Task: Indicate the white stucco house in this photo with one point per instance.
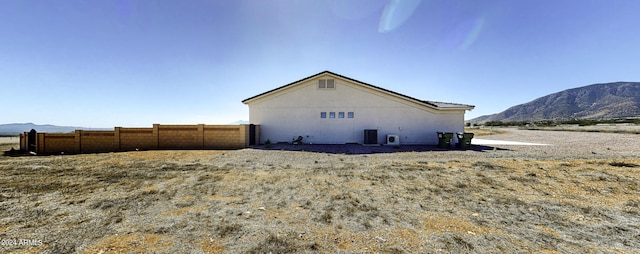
(328, 108)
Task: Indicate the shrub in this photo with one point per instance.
(275, 244)
(226, 229)
(624, 164)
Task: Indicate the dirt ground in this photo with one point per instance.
(570, 197)
(6, 143)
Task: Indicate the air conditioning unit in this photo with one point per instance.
(393, 140)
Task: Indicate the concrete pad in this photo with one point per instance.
(477, 141)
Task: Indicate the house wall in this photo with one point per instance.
(159, 137)
(295, 111)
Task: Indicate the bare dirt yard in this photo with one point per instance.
(579, 194)
(6, 143)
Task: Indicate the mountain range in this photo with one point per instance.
(17, 128)
(597, 102)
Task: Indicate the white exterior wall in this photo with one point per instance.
(295, 111)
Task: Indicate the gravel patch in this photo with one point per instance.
(567, 144)
(561, 146)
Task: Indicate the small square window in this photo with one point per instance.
(332, 114)
(340, 114)
(350, 114)
(323, 114)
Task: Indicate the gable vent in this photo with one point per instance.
(326, 84)
(330, 84)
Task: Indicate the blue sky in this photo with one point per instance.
(95, 63)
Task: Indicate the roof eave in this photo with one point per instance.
(248, 100)
(455, 108)
(380, 89)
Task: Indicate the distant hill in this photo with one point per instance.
(17, 128)
(240, 122)
(598, 101)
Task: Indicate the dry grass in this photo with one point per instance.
(204, 202)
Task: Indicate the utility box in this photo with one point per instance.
(444, 139)
(393, 140)
(370, 137)
(464, 140)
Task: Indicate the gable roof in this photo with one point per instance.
(432, 104)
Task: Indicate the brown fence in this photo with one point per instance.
(128, 139)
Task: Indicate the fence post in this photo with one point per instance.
(244, 135)
(156, 135)
(116, 137)
(200, 135)
(22, 139)
(78, 140)
(40, 145)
